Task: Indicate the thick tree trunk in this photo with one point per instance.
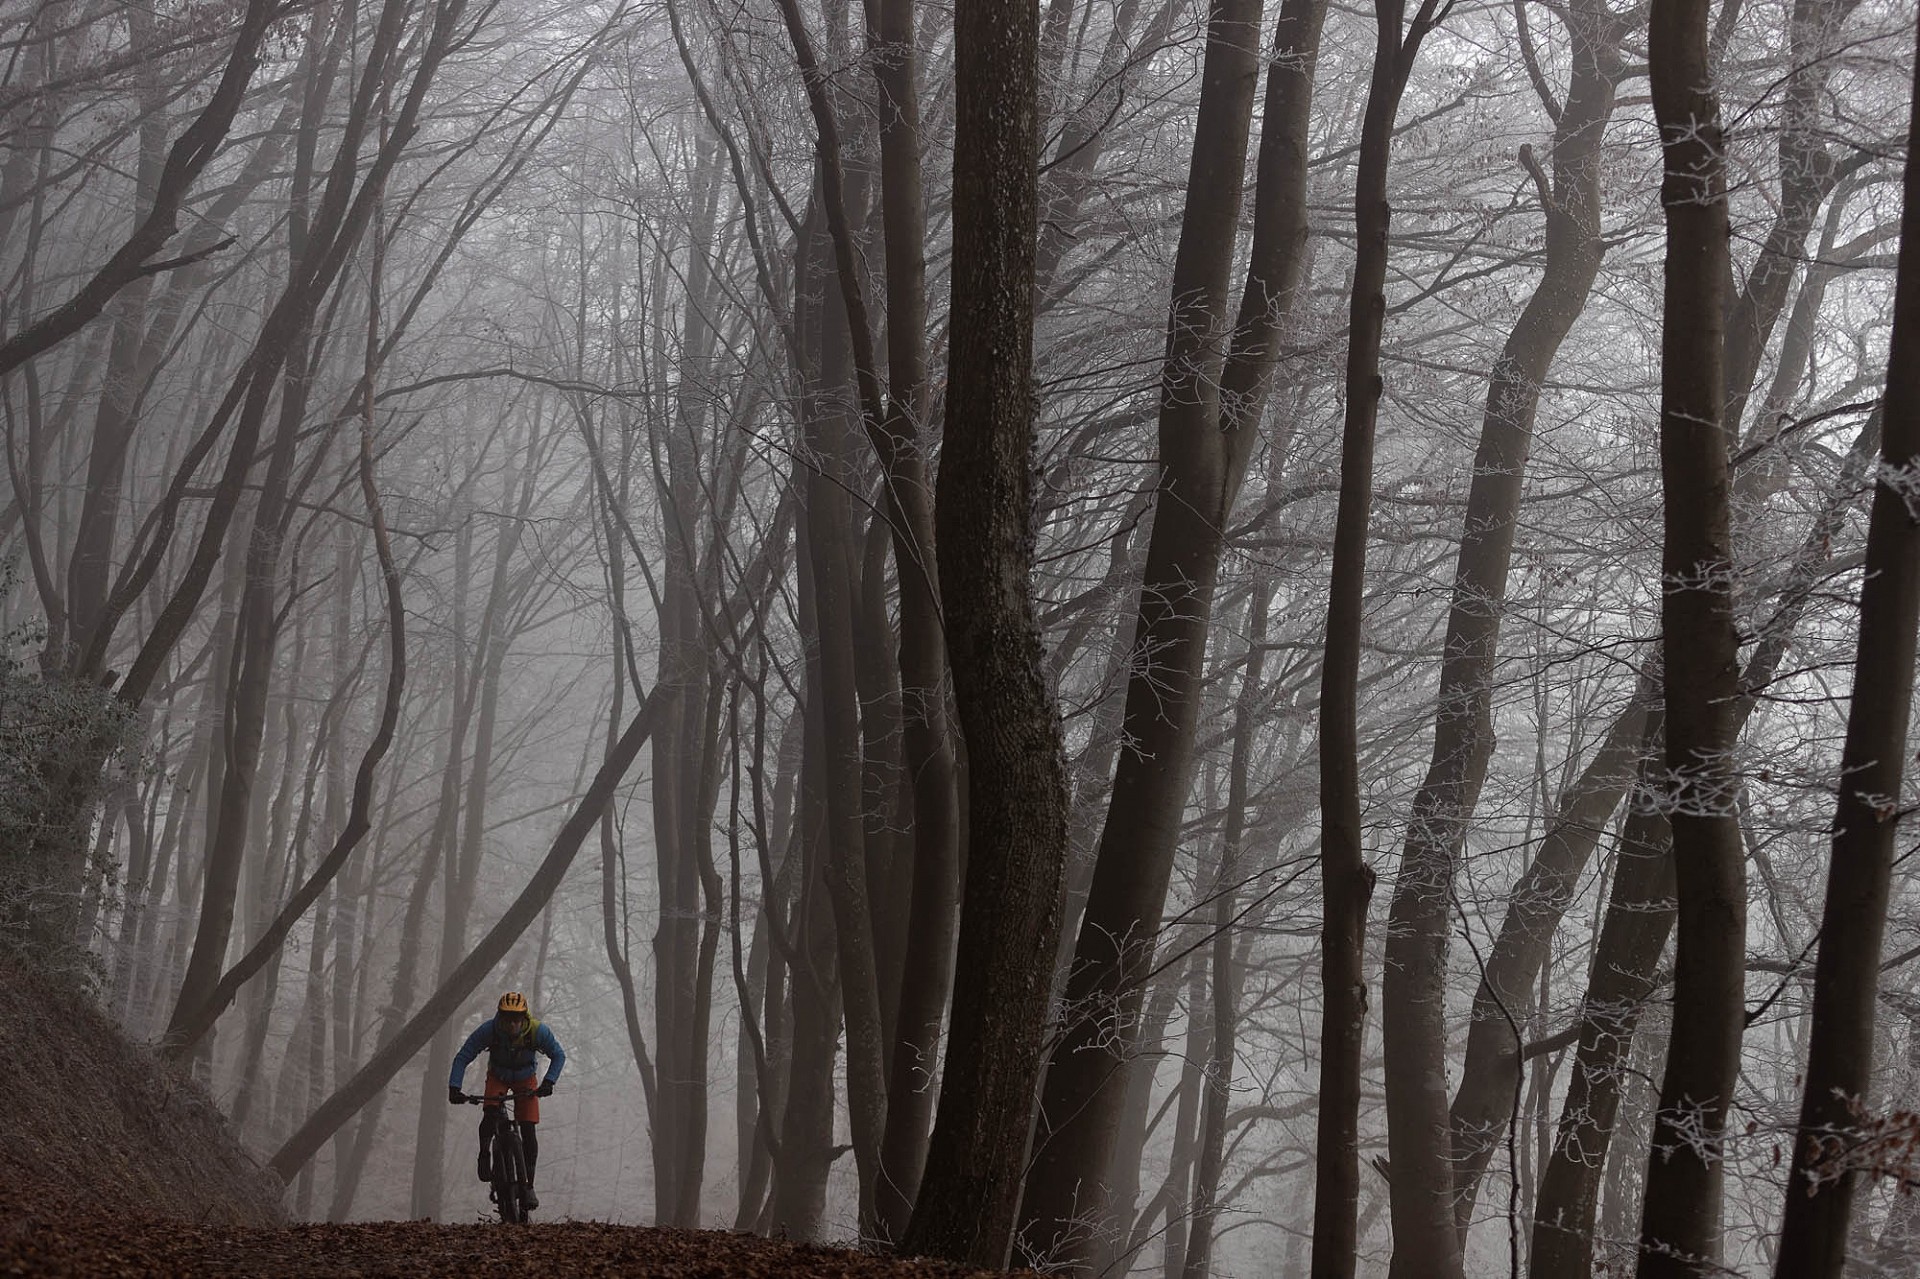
(1824, 1178)
(1016, 773)
(1680, 1224)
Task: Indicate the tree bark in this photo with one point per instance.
(1639, 919)
(1016, 773)
(1680, 1232)
(1224, 981)
(1490, 1072)
(926, 979)
(1413, 987)
(1209, 412)
(1422, 1213)
(1823, 1180)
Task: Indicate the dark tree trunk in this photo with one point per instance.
(1130, 1150)
(1824, 1180)
(1224, 980)
(1016, 774)
(832, 691)
(1638, 920)
(1422, 1213)
(1413, 987)
(1680, 1230)
(1490, 1073)
(932, 914)
(1209, 414)
(798, 1205)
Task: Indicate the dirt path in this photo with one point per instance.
(103, 1246)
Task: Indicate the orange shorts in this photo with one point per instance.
(525, 1109)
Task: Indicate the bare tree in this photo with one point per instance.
(1681, 1223)
(1016, 776)
(1824, 1180)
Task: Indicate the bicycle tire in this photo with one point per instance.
(517, 1170)
(507, 1162)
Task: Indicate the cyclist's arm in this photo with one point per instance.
(468, 1051)
(556, 1055)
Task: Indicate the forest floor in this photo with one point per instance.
(101, 1246)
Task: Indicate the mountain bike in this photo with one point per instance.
(511, 1185)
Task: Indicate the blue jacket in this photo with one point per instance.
(511, 1060)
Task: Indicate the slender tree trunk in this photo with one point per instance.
(1639, 919)
(1130, 1150)
(832, 688)
(1224, 980)
(1824, 1178)
(1209, 414)
(932, 914)
(1413, 988)
(806, 1129)
(1422, 1212)
(1186, 1122)
(1680, 1224)
(191, 152)
(893, 428)
(89, 565)
(1807, 176)
(1490, 1073)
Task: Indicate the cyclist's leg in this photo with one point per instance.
(526, 1114)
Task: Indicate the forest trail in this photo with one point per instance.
(102, 1245)
(125, 1168)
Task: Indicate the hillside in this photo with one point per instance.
(106, 1128)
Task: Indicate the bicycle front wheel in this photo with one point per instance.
(509, 1174)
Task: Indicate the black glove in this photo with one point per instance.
(546, 1088)
(454, 1095)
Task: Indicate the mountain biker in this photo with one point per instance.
(510, 1038)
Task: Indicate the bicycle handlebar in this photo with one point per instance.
(473, 1099)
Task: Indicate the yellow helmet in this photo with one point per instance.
(513, 1002)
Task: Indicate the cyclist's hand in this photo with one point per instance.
(546, 1087)
(454, 1095)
